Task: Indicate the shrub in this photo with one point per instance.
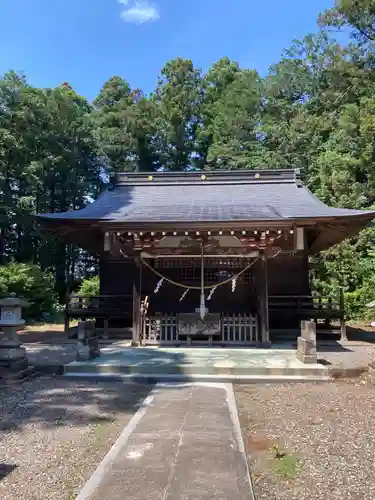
(31, 283)
(354, 304)
(90, 287)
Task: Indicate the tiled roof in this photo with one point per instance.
(217, 197)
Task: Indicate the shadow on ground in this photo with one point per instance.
(332, 346)
(56, 401)
(6, 469)
(361, 334)
(46, 336)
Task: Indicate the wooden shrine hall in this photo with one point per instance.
(206, 257)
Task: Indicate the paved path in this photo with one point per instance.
(183, 444)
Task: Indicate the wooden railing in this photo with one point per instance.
(122, 305)
(240, 329)
(162, 329)
(114, 305)
(304, 305)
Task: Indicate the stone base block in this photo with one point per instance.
(306, 351)
(11, 379)
(264, 345)
(306, 359)
(13, 371)
(86, 355)
(306, 347)
(8, 353)
(13, 366)
(88, 350)
(7, 343)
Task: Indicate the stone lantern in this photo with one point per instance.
(13, 360)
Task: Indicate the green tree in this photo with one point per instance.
(48, 163)
(359, 15)
(126, 127)
(29, 282)
(178, 99)
(90, 287)
(235, 125)
(214, 84)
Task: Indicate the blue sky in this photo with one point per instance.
(85, 42)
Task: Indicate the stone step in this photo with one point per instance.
(194, 370)
(8, 378)
(153, 378)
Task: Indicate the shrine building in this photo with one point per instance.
(218, 258)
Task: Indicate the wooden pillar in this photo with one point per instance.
(263, 303)
(66, 310)
(66, 317)
(106, 329)
(137, 317)
(136, 337)
(344, 337)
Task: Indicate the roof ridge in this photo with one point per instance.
(209, 177)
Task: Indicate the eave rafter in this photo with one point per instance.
(240, 242)
(86, 236)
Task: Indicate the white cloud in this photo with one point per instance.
(139, 11)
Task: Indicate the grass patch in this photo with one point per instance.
(102, 429)
(286, 466)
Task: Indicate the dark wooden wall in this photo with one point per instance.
(287, 275)
(117, 276)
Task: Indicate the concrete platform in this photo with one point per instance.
(184, 443)
(198, 364)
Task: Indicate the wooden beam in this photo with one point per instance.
(263, 302)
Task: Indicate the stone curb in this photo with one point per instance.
(98, 475)
(155, 378)
(355, 372)
(233, 410)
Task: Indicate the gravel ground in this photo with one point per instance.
(54, 432)
(328, 427)
(348, 355)
(50, 354)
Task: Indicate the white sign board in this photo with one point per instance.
(11, 316)
(8, 314)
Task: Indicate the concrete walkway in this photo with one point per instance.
(184, 443)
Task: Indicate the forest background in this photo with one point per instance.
(315, 110)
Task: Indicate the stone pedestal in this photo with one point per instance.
(88, 343)
(344, 337)
(13, 359)
(306, 343)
